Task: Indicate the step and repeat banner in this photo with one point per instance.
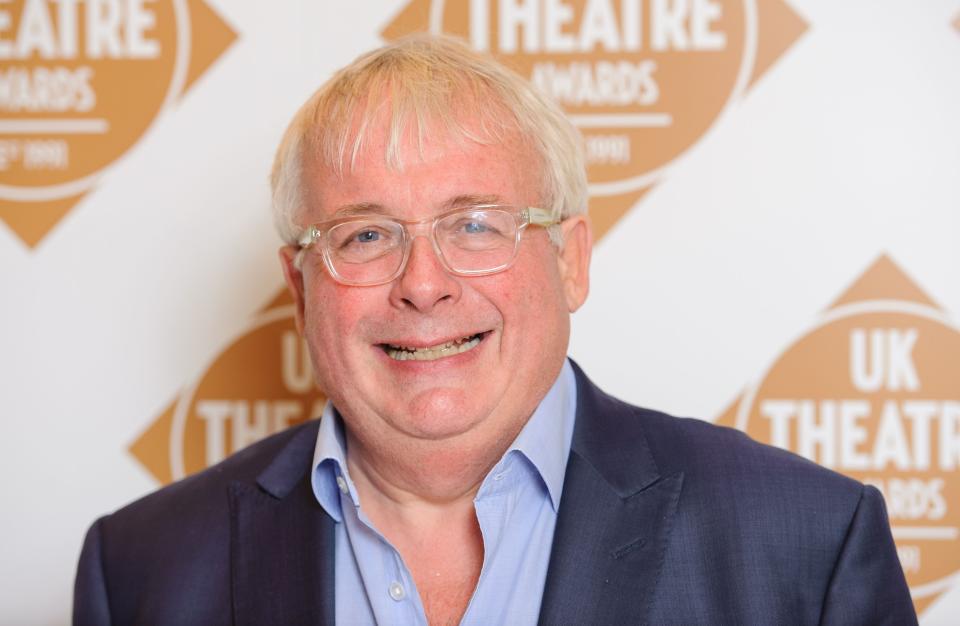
(775, 192)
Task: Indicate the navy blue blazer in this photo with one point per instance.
(662, 521)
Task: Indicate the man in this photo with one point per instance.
(464, 471)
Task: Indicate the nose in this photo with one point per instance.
(424, 283)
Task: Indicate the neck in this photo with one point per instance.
(421, 475)
(423, 505)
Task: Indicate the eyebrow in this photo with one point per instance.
(360, 208)
(463, 200)
(472, 200)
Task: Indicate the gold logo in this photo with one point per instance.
(80, 83)
(644, 80)
(260, 384)
(872, 390)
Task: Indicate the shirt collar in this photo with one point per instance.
(330, 463)
(545, 438)
(544, 441)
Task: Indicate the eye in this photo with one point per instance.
(362, 235)
(367, 236)
(477, 229)
(474, 227)
(361, 239)
(473, 224)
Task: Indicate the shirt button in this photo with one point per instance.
(343, 485)
(396, 591)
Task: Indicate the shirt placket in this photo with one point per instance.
(388, 585)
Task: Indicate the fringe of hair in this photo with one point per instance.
(429, 83)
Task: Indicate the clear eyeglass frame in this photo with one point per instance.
(315, 237)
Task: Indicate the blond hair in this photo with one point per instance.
(426, 80)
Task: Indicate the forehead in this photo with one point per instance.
(424, 169)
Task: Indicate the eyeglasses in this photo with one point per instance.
(469, 241)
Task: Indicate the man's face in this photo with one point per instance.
(521, 316)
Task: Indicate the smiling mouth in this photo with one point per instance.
(432, 353)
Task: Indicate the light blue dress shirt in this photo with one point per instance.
(516, 508)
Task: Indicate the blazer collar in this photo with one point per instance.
(282, 543)
(615, 517)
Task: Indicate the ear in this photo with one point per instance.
(294, 278)
(574, 260)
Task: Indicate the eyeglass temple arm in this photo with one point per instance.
(308, 237)
(541, 217)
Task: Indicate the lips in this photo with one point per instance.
(432, 353)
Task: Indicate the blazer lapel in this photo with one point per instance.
(282, 544)
(615, 517)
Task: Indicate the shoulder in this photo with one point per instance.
(716, 461)
(163, 553)
(721, 463)
(203, 496)
(699, 447)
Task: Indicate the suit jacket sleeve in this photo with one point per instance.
(90, 604)
(867, 585)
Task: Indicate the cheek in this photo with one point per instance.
(537, 283)
(530, 295)
(330, 321)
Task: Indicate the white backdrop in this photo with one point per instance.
(847, 149)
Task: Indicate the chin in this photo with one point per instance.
(442, 414)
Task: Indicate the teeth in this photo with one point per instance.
(404, 353)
